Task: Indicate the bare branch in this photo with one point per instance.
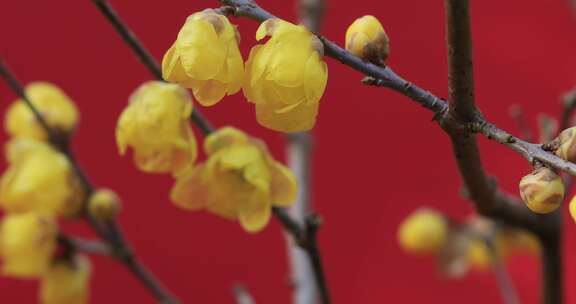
(242, 295)
(83, 245)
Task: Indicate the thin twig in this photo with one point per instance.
(242, 295)
(517, 113)
(145, 57)
(509, 294)
(108, 235)
(85, 246)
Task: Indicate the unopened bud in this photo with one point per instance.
(423, 232)
(567, 145)
(542, 190)
(104, 204)
(367, 39)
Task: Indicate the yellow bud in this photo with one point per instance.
(39, 179)
(239, 181)
(206, 58)
(542, 190)
(285, 77)
(104, 204)
(567, 145)
(156, 126)
(57, 109)
(573, 208)
(27, 244)
(423, 232)
(367, 39)
(478, 255)
(66, 282)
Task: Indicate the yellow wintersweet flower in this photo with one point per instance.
(542, 190)
(27, 244)
(206, 58)
(366, 38)
(423, 232)
(240, 180)
(286, 77)
(39, 179)
(53, 104)
(155, 124)
(66, 282)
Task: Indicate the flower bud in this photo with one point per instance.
(104, 204)
(567, 145)
(367, 39)
(542, 190)
(423, 232)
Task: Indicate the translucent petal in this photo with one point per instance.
(190, 190)
(255, 214)
(210, 92)
(315, 78)
(201, 52)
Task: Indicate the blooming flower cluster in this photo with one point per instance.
(240, 179)
(38, 187)
(284, 78)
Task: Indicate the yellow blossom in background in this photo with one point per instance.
(66, 282)
(366, 38)
(286, 76)
(572, 208)
(39, 179)
(57, 109)
(27, 244)
(155, 125)
(423, 232)
(206, 58)
(240, 180)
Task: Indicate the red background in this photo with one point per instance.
(377, 156)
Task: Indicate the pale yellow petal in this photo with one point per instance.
(201, 53)
(283, 185)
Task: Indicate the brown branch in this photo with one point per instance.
(82, 245)
(306, 238)
(114, 231)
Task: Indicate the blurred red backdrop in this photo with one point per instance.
(377, 155)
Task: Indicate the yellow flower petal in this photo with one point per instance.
(58, 111)
(40, 181)
(155, 125)
(27, 244)
(200, 51)
(283, 186)
(190, 191)
(66, 282)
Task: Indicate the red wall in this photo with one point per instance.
(378, 156)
